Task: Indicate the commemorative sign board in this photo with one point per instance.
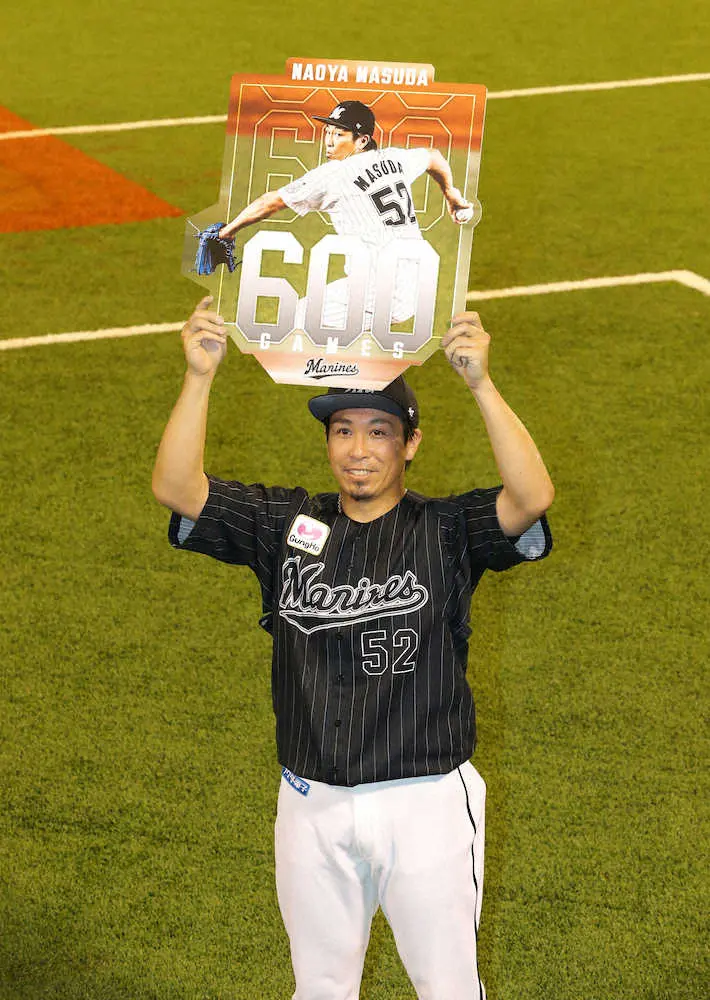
(347, 207)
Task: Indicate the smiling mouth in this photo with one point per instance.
(358, 473)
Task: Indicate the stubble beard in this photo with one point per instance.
(358, 492)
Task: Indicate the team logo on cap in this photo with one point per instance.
(340, 110)
(308, 534)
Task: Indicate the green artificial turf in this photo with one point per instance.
(138, 775)
(139, 767)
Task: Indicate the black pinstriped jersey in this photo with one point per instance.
(369, 621)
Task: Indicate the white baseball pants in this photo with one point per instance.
(414, 847)
(336, 298)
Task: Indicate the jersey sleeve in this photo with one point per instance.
(489, 547)
(415, 162)
(307, 193)
(239, 524)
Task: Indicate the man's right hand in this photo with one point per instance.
(204, 339)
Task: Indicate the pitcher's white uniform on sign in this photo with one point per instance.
(368, 196)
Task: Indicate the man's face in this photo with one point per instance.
(340, 144)
(367, 452)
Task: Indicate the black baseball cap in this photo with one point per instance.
(396, 398)
(353, 116)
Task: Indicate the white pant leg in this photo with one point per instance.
(326, 894)
(406, 291)
(431, 893)
(335, 309)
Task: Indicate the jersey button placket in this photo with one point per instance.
(342, 651)
(337, 722)
(340, 676)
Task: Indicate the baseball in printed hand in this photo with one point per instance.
(464, 214)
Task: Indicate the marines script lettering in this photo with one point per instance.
(318, 368)
(311, 605)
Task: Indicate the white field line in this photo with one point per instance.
(37, 133)
(570, 88)
(575, 88)
(112, 333)
(687, 278)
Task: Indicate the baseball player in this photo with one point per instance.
(366, 592)
(367, 193)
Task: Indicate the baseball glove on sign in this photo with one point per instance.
(213, 251)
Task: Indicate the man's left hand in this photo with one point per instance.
(466, 347)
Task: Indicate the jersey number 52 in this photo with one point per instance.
(380, 652)
(396, 211)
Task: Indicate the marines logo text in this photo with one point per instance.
(311, 605)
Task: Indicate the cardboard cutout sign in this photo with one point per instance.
(349, 192)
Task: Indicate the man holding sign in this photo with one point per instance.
(367, 194)
(366, 592)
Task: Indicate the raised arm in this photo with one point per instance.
(527, 488)
(179, 480)
(264, 206)
(440, 171)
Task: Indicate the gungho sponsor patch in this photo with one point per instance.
(308, 534)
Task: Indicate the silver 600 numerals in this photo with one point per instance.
(364, 302)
